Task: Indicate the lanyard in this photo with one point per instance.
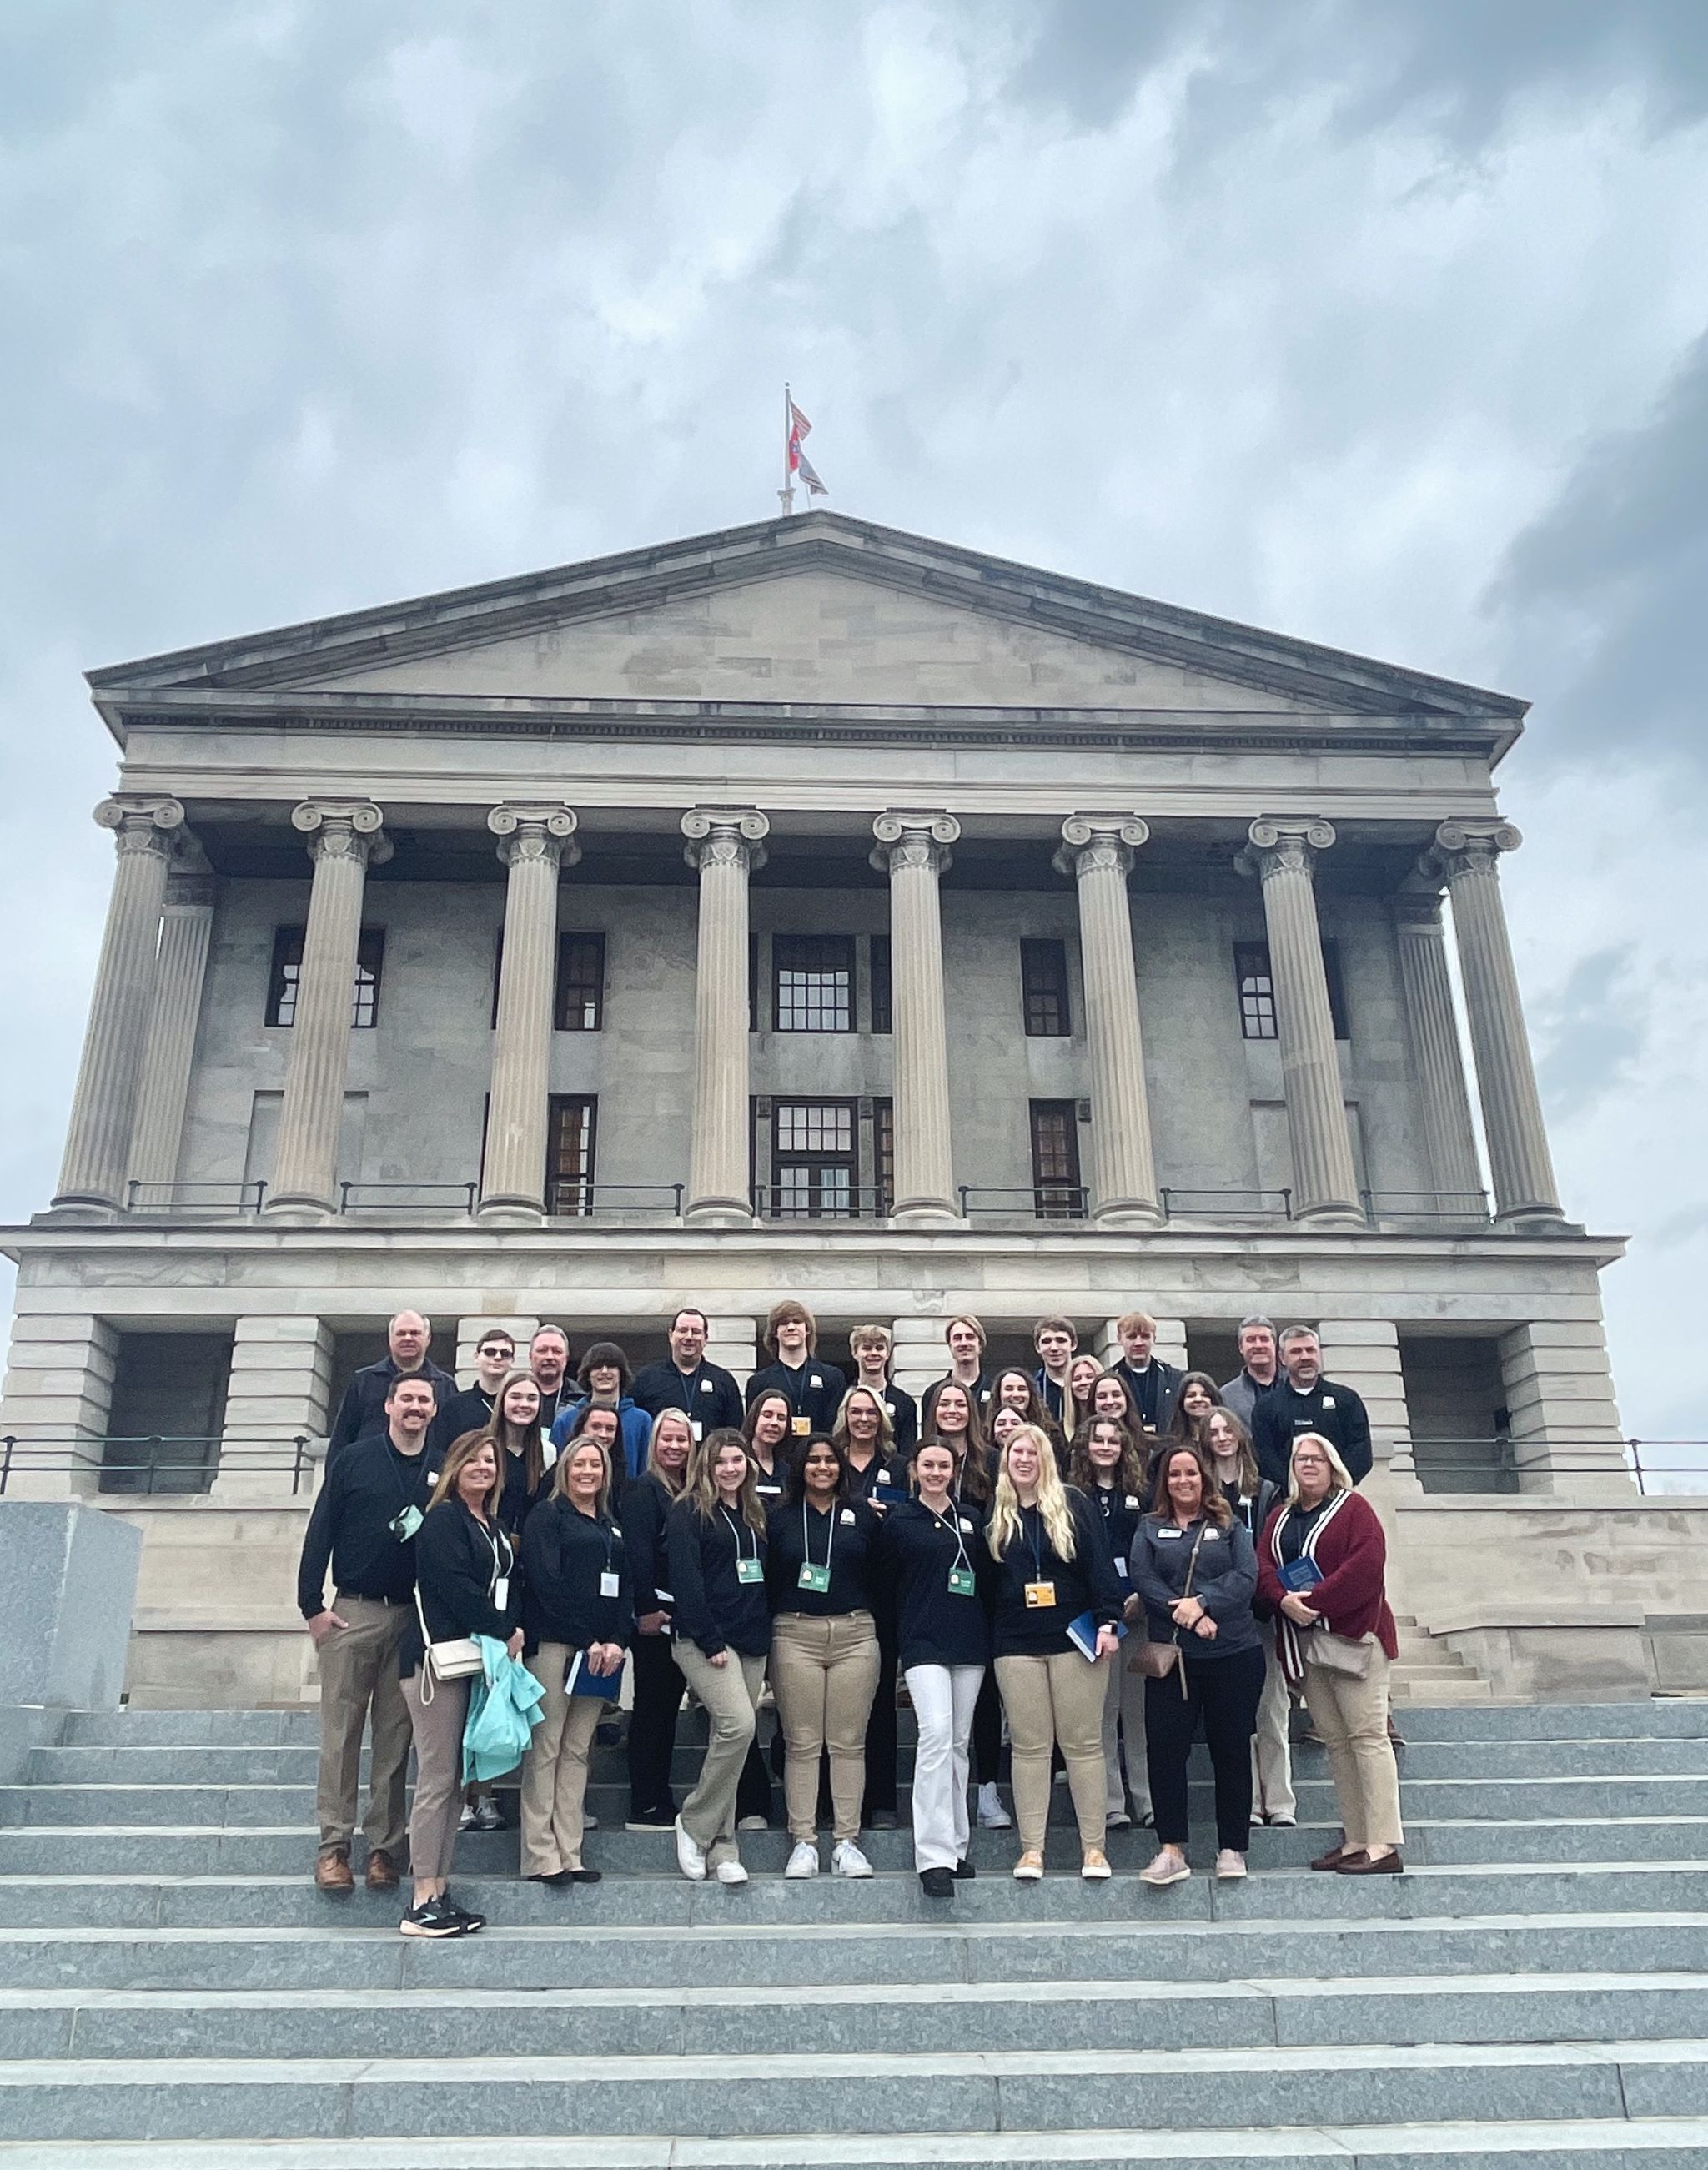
(1031, 1521)
(796, 1390)
(735, 1530)
(606, 1530)
(952, 1523)
(693, 1379)
(495, 1538)
(806, 1543)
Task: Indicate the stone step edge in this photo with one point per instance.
(1253, 1989)
(35, 1788)
(614, 1830)
(1302, 2145)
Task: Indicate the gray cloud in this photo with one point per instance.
(1590, 1031)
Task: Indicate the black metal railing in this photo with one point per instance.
(157, 1464)
(406, 1197)
(1231, 1205)
(199, 1198)
(1031, 1201)
(786, 1201)
(568, 1198)
(1659, 1469)
(1466, 1207)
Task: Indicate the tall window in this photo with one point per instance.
(1256, 986)
(1055, 1161)
(287, 973)
(881, 1004)
(883, 1153)
(571, 1122)
(1043, 985)
(814, 1160)
(580, 998)
(812, 982)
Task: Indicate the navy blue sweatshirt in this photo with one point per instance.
(844, 1539)
(714, 1608)
(645, 1504)
(363, 1409)
(1085, 1583)
(1120, 1512)
(565, 1555)
(707, 1396)
(814, 1393)
(915, 1551)
(1338, 1412)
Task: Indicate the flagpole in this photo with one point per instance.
(786, 496)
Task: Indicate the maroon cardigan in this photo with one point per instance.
(1349, 1547)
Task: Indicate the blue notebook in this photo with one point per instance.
(581, 1681)
(1301, 1574)
(1082, 1633)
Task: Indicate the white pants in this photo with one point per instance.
(1123, 1709)
(942, 1698)
(1271, 1758)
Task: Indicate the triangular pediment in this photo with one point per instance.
(819, 610)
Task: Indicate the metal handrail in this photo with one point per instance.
(465, 1195)
(775, 1201)
(1172, 1194)
(247, 1197)
(1048, 1201)
(85, 1453)
(1440, 1205)
(599, 1199)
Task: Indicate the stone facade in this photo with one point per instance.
(703, 753)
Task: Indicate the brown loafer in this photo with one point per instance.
(382, 1871)
(1332, 1859)
(1370, 1864)
(331, 1871)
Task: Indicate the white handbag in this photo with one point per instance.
(456, 1658)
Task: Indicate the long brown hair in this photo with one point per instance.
(974, 1475)
(1181, 1425)
(460, 1453)
(700, 1486)
(508, 1439)
(1248, 1476)
(1214, 1505)
(1129, 1470)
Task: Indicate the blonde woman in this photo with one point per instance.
(658, 1686)
(1051, 1563)
(1228, 1447)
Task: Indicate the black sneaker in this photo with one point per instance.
(660, 1819)
(434, 1918)
(964, 1872)
(937, 1882)
(883, 1820)
(470, 1921)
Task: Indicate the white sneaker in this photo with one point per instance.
(730, 1871)
(588, 1823)
(803, 1861)
(992, 1815)
(1169, 1866)
(688, 1857)
(752, 1823)
(848, 1860)
(1230, 1867)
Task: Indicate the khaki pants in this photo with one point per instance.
(730, 1692)
(1352, 1717)
(1271, 1757)
(1123, 1709)
(824, 1673)
(359, 1678)
(438, 1729)
(554, 1769)
(1058, 1698)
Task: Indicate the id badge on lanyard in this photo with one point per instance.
(1040, 1593)
(812, 1576)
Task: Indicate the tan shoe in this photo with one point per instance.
(331, 1871)
(1030, 1865)
(1095, 1867)
(1169, 1866)
(382, 1871)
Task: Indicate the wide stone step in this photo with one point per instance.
(885, 2019)
(806, 1955)
(1052, 2087)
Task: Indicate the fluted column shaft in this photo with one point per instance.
(185, 930)
(724, 846)
(1282, 855)
(1467, 853)
(343, 841)
(535, 844)
(103, 1110)
(1098, 853)
(1436, 1049)
(915, 850)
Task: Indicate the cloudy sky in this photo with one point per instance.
(1381, 322)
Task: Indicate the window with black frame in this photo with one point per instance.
(1256, 981)
(812, 983)
(1043, 987)
(572, 1126)
(1055, 1161)
(814, 1160)
(285, 980)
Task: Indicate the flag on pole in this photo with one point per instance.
(800, 464)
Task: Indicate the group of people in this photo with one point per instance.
(1108, 1562)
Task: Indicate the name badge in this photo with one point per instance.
(749, 1570)
(1211, 1536)
(813, 1577)
(815, 1380)
(501, 1593)
(705, 1387)
(1121, 1567)
(966, 1527)
(1039, 1596)
(847, 1518)
(1328, 1401)
(1132, 1503)
(1170, 1533)
(608, 1584)
(801, 1426)
(697, 1429)
(961, 1583)
(403, 1526)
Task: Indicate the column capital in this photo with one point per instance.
(914, 840)
(141, 822)
(1463, 846)
(544, 833)
(1283, 844)
(343, 829)
(1092, 842)
(725, 836)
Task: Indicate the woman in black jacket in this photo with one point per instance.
(465, 1584)
(1108, 1464)
(1052, 1565)
(1252, 1497)
(715, 1541)
(1194, 1568)
(658, 1686)
(577, 1617)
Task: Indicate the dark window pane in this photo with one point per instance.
(1045, 990)
(580, 1005)
(287, 975)
(883, 1152)
(813, 978)
(1055, 1159)
(569, 1146)
(880, 983)
(1337, 990)
(1257, 990)
(287, 968)
(371, 958)
(814, 1163)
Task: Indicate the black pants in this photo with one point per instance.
(753, 1793)
(659, 1689)
(880, 1729)
(1224, 1692)
(987, 1731)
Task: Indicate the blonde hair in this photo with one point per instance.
(700, 1484)
(884, 1444)
(1005, 1524)
(655, 1467)
(458, 1454)
(560, 1475)
(1339, 1475)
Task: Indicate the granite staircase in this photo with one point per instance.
(173, 1990)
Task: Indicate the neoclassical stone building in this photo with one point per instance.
(805, 908)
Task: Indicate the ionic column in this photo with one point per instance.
(1282, 854)
(343, 841)
(914, 849)
(185, 931)
(1436, 1049)
(1097, 851)
(1467, 855)
(103, 1108)
(535, 844)
(724, 847)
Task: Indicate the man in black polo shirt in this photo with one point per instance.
(706, 1393)
(371, 1504)
(966, 1340)
(870, 1348)
(494, 1359)
(1302, 1400)
(1154, 1385)
(363, 1402)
